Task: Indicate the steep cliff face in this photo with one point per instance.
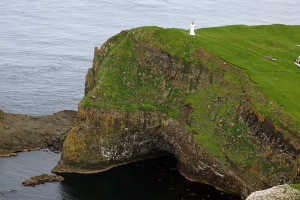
(154, 90)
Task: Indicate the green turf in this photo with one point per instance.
(295, 186)
(243, 46)
(247, 46)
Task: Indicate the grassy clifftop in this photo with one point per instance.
(130, 86)
(248, 47)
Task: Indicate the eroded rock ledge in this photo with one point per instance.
(25, 133)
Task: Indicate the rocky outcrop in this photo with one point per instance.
(6, 154)
(143, 98)
(280, 192)
(41, 179)
(55, 141)
(119, 137)
(22, 132)
(278, 146)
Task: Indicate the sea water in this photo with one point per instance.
(46, 46)
(153, 179)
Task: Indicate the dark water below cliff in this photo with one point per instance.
(153, 179)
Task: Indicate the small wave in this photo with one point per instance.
(3, 192)
(152, 3)
(142, 3)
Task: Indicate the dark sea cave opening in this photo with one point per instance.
(151, 179)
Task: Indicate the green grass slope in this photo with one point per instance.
(244, 46)
(247, 46)
(295, 186)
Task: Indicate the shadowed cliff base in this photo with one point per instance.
(157, 177)
(158, 89)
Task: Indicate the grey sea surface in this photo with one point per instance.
(46, 46)
(15, 170)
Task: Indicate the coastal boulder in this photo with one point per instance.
(279, 192)
(41, 179)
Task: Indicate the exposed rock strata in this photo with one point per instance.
(22, 132)
(219, 138)
(277, 145)
(109, 138)
(41, 179)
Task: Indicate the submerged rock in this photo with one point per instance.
(41, 179)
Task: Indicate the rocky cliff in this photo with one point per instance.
(154, 90)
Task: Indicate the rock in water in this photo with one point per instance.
(41, 179)
(6, 154)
